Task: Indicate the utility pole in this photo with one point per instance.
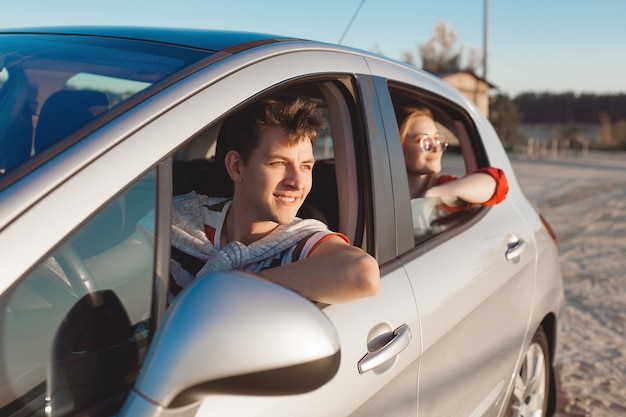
(485, 36)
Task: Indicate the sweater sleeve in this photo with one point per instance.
(499, 194)
(502, 185)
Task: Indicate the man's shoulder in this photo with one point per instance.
(215, 203)
(194, 200)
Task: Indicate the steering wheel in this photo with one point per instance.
(75, 269)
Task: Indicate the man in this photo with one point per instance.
(269, 157)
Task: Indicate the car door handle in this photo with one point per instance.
(399, 341)
(515, 250)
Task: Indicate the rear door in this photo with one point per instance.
(473, 296)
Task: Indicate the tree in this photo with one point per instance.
(506, 119)
(567, 108)
(440, 53)
(606, 134)
(619, 134)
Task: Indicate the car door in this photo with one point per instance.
(379, 336)
(475, 306)
(474, 293)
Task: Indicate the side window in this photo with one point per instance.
(439, 146)
(323, 144)
(334, 199)
(74, 331)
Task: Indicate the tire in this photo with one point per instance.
(532, 381)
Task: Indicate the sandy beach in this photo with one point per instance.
(584, 200)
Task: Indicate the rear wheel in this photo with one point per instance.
(531, 389)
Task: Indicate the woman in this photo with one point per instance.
(423, 148)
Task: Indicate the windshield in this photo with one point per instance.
(53, 85)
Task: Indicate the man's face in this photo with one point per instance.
(277, 178)
(418, 161)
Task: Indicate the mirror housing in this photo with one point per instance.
(232, 332)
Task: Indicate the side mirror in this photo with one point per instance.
(234, 333)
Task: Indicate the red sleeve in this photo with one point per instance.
(446, 178)
(502, 185)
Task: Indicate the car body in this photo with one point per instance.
(100, 126)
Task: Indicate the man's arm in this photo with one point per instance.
(334, 272)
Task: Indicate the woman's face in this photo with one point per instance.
(417, 161)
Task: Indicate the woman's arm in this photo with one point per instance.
(474, 189)
(486, 186)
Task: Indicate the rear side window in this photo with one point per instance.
(440, 144)
(74, 331)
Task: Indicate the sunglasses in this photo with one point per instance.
(429, 143)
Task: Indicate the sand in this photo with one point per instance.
(584, 200)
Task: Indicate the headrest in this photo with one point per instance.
(66, 111)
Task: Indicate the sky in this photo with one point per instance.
(552, 46)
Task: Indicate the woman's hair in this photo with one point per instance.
(299, 116)
(406, 115)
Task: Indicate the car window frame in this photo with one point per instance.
(340, 93)
(474, 156)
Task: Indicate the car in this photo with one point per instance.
(100, 126)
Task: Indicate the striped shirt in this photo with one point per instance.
(184, 266)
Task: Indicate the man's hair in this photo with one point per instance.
(406, 115)
(299, 116)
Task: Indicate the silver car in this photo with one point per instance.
(100, 126)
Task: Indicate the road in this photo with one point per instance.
(584, 200)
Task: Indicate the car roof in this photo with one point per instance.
(211, 40)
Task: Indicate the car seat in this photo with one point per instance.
(65, 112)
